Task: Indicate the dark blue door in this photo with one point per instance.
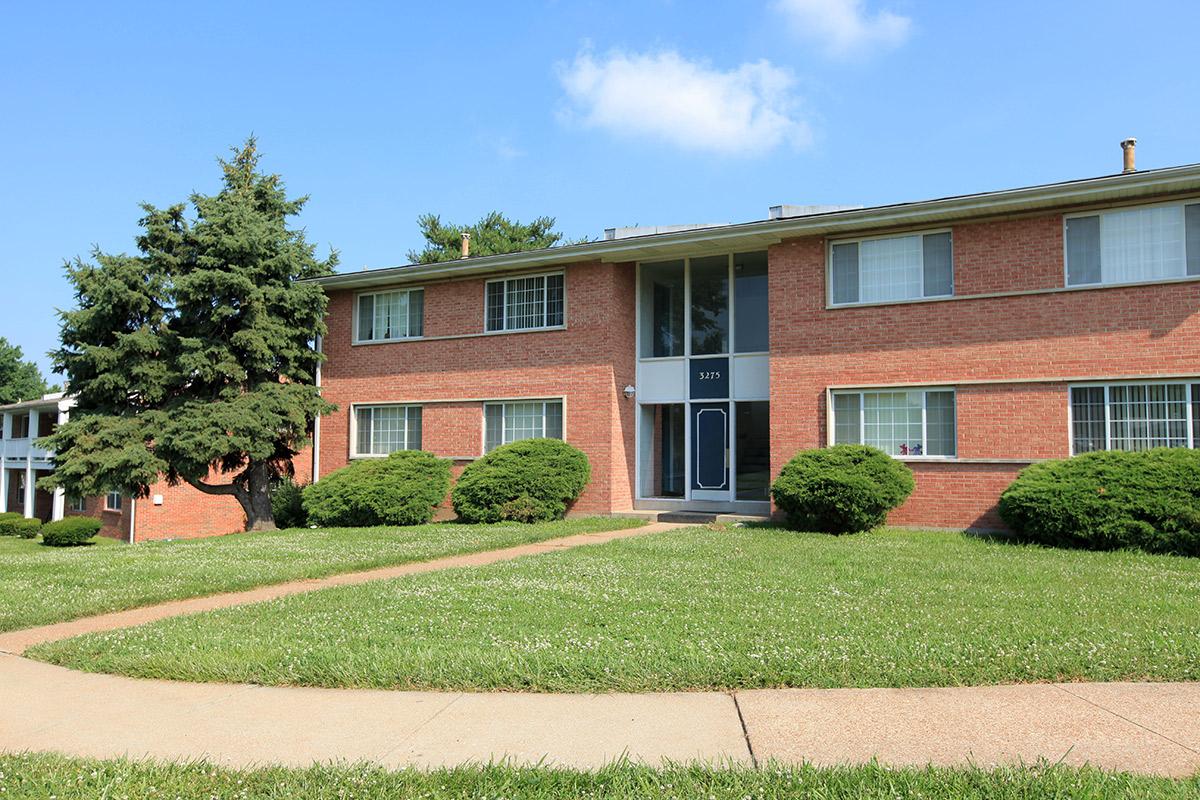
(710, 446)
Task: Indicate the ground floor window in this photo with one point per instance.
(112, 501)
(505, 423)
(904, 422)
(76, 504)
(753, 439)
(1135, 416)
(380, 430)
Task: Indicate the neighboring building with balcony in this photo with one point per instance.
(22, 462)
(966, 336)
(170, 512)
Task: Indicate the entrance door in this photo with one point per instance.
(710, 451)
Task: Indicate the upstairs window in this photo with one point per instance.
(381, 430)
(387, 316)
(906, 423)
(1134, 416)
(891, 269)
(1133, 245)
(505, 423)
(20, 425)
(526, 303)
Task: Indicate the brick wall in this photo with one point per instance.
(1057, 336)
(588, 364)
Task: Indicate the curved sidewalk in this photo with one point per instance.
(1139, 727)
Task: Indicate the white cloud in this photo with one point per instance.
(689, 104)
(844, 27)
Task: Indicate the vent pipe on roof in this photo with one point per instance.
(466, 244)
(1129, 146)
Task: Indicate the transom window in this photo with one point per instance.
(533, 301)
(905, 422)
(891, 269)
(1134, 416)
(112, 501)
(525, 419)
(380, 430)
(1134, 245)
(386, 316)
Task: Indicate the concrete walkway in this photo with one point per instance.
(1140, 727)
(17, 642)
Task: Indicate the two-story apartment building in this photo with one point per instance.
(170, 512)
(967, 336)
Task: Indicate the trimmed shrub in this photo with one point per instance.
(1149, 500)
(841, 489)
(70, 531)
(533, 480)
(287, 504)
(14, 524)
(403, 489)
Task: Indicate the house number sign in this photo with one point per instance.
(708, 378)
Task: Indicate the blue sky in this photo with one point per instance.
(599, 113)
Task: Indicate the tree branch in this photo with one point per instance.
(218, 489)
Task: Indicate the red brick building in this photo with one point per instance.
(967, 336)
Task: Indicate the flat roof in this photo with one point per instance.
(759, 234)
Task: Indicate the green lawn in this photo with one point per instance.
(41, 584)
(703, 609)
(30, 776)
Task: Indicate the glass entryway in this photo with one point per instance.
(703, 384)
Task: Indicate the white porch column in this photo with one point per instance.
(28, 488)
(3, 487)
(59, 507)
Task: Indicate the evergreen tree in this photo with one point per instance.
(19, 379)
(493, 235)
(194, 360)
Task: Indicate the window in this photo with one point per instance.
(20, 425)
(380, 430)
(710, 305)
(750, 303)
(1133, 245)
(900, 422)
(662, 309)
(891, 269)
(527, 419)
(386, 316)
(112, 501)
(517, 304)
(1134, 416)
(77, 504)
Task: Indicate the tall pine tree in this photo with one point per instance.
(195, 359)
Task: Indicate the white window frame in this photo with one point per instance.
(562, 401)
(1102, 213)
(356, 337)
(77, 505)
(356, 407)
(858, 240)
(545, 300)
(112, 501)
(1187, 383)
(925, 390)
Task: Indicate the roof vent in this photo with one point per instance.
(786, 211)
(1129, 148)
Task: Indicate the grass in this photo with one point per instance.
(40, 776)
(39, 585)
(703, 609)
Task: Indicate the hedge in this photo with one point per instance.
(532, 480)
(70, 531)
(14, 524)
(1148, 500)
(287, 504)
(403, 489)
(841, 489)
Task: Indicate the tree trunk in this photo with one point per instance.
(252, 490)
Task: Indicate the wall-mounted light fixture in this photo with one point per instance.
(629, 392)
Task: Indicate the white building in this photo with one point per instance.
(22, 462)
